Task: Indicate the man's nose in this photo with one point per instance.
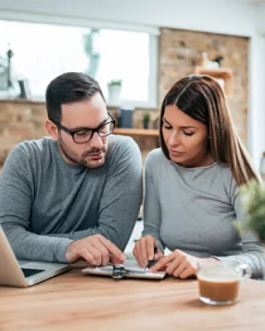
(96, 141)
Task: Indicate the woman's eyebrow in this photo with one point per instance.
(164, 119)
(182, 127)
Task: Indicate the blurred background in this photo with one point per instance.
(136, 50)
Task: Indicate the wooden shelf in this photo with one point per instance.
(218, 73)
(214, 72)
(136, 132)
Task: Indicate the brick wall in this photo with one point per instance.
(181, 50)
(19, 121)
(24, 120)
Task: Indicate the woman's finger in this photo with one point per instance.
(162, 262)
(143, 252)
(173, 266)
(189, 271)
(181, 267)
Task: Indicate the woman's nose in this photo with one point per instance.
(174, 139)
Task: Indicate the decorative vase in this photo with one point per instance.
(146, 125)
(114, 92)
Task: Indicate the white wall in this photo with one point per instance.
(261, 18)
(257, 87)
(242, 17)
(221, 16)
(256, 120)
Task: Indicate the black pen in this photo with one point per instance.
(151, 262)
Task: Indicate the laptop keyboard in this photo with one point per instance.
(31, 272)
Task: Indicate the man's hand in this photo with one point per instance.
(179, 264)
(97, 250)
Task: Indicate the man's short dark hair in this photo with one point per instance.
(66, 88)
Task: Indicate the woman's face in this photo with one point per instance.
(186, 139)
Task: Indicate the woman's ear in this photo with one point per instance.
(52, 130)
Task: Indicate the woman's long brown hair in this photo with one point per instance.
(202, 98)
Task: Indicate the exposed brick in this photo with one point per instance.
(180, 50)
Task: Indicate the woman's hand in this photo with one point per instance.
(144, 251)
(179, 264)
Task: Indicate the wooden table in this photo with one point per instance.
(76, 302)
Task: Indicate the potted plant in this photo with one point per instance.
(114, 91)
(146, 120)
(253, 198)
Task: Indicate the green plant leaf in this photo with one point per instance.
(253, 199)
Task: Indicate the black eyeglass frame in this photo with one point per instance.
(73, 132)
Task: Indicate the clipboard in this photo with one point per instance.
(129, 269)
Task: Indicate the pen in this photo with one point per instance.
(151, 262)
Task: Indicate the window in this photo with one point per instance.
(44, 51)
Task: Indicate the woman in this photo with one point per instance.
(191, 184)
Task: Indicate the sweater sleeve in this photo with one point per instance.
(16, 199)
(152, 212)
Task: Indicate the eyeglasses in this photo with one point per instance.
(84, 135)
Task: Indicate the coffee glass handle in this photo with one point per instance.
(246, 272)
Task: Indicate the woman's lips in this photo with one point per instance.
(177, 153)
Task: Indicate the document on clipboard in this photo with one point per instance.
(129, 269)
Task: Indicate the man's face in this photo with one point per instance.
(84, 114)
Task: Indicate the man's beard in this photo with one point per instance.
(82, 160)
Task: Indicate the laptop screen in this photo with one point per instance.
(31, 272)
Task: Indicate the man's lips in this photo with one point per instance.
(95, 156)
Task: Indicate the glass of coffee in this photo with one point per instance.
(219, 283)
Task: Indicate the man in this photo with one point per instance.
(78, 194)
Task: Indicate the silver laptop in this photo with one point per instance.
(24, 273)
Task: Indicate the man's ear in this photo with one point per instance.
(52, 130)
